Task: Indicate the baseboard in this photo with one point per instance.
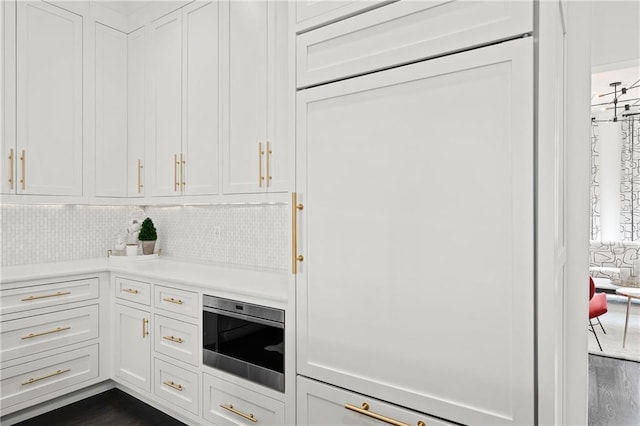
(56, 403)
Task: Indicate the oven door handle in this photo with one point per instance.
(247, 318)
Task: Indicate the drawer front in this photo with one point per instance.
(313, 13)
(33, 379)
(45, 295)
(39, 333)
(403, 32)
(176, 339)
(135, 291)
(322, 404)
(176, 385)
(178, 301)
(226, 403)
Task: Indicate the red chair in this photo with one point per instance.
(597, 307)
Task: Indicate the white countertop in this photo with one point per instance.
(259, 283)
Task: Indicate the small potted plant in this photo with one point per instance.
(148, 236)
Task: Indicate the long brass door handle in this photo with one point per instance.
(140, 166)
(11, 170)
(37, 379)
(23, 179)
(295, 257)
(176, 164)
(182, 166)
(364, 409)
(269, 152)
(260, 154)
(45, 296)
(249, 416)
(44, 333)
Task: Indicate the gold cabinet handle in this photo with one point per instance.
(130, 290)
(140, 166)
(365, 410)
(176, 164)
(11, 171)
(240, 413)
(269, 152)
(23, 179)
(145, 331)
(172, 300)
(295, 258)
(37, 379)
(260, 154)
(173, 339)
(182, 164)
(43, 333)
(174, 385)
(45, 296)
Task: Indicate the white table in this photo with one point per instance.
(630, 293)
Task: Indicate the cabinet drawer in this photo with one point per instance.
(135, 291)
(322, 404)
(227, 403)
(33, 379)
(177, 339)
(45, 295)
(38, 333)
(176, 385)
(404, 32)
(178, 301)
(312, 13)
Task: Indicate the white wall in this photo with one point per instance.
(615, 34)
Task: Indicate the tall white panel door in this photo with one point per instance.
(136, 107)
(200, 114)
(245, 143)
(417, 235)
(132, 357)
(166, 115)
(49, 99)
(110, 112)
(8, 96)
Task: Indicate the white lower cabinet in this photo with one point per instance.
(177, 339)
(226, 403)
(176, 385)
(46, 375)
(321, 404)
(132, 346)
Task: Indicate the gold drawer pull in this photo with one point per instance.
(240, 413)
(57, 373)
(56, 330)
(60, 293)
(174, 385)
(130, 290)
(172, 300)
(173, 339)
(365, 410)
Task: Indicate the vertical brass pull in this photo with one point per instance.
(260, 154)
(140, 166)
(11, 171)
(269, 152)
(176, 164)
(182, 163)
(249, 416)
(295, 258)
(23, 179)
(365, 411)
(145, 331)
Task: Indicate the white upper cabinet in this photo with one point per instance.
(257, 145)
(48, 148)
(136, 108)
(110, 112)
(185, 111)
(395, 169)
(8, 96)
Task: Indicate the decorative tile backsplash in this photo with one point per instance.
(244, 234)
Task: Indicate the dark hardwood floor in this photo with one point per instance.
(111, 408)
(614, 392)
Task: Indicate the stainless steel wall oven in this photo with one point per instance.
(244, 339)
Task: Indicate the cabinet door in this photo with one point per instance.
(110, 112)
(245, 141)
(167, 105)
(136, 108)
(417, 235)
(8, 96)
(201, 132)
(49, 94)
(132, 361)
